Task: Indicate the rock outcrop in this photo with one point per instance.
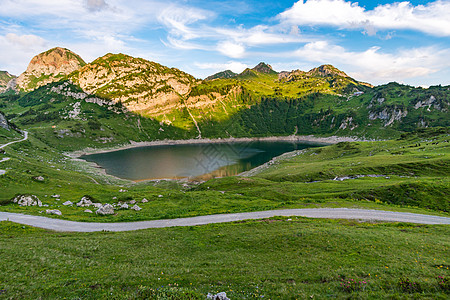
(47, 67)
(4, 122)
(27, 200)
(5, 81)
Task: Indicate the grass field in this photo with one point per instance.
(272, 259)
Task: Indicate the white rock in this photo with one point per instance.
(54, 212)
(136, 208)
(133, 202)
(56, 196)
(97, 205)
(30, 200)
(124, 206)
(106, 209)
(84, 202)
(67, 203)
(160, 196)
(88, 211)
(144, 200)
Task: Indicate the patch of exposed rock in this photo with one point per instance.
(389, 115)
(84, 202)
(47, 67)
(218, 296)
(27, 200)
(4, 122)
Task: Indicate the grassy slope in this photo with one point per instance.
(274, 259)
(417, 178)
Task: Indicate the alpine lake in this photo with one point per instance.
(191, 161)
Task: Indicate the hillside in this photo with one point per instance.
(47, 67)
(140, 85)
(5, 80)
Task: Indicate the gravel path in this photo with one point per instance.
(25, 137)
(329, 213)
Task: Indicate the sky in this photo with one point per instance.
(372, 41)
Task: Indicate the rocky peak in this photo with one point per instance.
(49, 66)
(264, 68)
(326, 70)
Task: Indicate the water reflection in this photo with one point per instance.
(200, 161)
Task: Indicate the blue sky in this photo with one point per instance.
(377, 42)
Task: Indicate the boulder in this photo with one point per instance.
(97, 205)
(124, 206)
(67, 203)
(106, 209)
(144, 200)
(136, 208)
(54, 212)
(219, 296)
(39, 178)
(88, 211)
(27, 200)
(133, 202)
(84, 202)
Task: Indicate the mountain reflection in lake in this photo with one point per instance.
(190, 161)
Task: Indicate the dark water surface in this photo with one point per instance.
(197, 160)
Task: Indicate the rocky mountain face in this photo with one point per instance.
(47, 67)
(5, 80)
(140, 85)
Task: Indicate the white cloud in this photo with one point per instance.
(235, 66)
(432, 18)
(27, 41)
(374, 66)
(17, 50)
(96, 5)
(231, 49)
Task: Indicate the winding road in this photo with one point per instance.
(328, 213)
(25, 137)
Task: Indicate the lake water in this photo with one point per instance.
(201, 161)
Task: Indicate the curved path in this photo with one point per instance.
(329, 213)
(25, 137)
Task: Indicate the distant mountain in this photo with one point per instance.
(5, 80)
(221, 75)
(264, 68)
(49, 66)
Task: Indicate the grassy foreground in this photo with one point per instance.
(272, 259)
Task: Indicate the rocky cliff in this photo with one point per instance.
(47, 67)
(5, 79)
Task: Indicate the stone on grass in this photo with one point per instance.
(27, 200)
(133, 202)
(144, 200)
(136, 208)
(84, 202)
(56, 196)
(106, 209)
(160, 196)
(67, 203)
(88, 211)
(219, 296)
(39, 178)
(97, 205)
(124, 206)
(54, 212)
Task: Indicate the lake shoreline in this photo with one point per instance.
(297, 138)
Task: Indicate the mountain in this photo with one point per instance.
(264, 68)
(5, 80)
(49, 66)
(221, 75)
(140, 85)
